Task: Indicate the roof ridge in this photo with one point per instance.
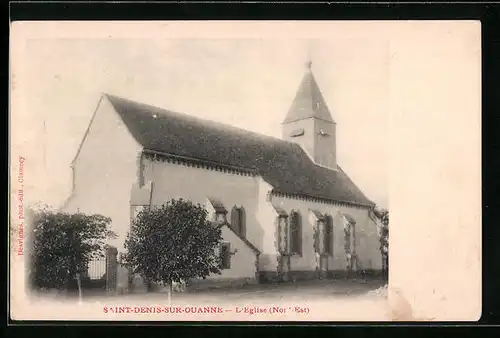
(352, 182)
(165, 111)
(285, 165)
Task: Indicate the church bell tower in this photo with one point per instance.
(310, 124)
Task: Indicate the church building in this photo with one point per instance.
(290, 211)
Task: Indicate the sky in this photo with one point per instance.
(245, 77)
(246, 82)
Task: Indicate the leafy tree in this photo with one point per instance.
(173, 243)
(383, 216)
(63, 244)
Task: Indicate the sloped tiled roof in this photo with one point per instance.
(217, 205)
(349, 218)
(318, 214)
(283, 164)
(308, 101)
(279, 210)
(243, 239)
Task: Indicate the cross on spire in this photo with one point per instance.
(309, 64)
(308, 101)
(309, 56)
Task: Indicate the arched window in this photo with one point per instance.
(328, 235)
(238, 221)
(295, 233)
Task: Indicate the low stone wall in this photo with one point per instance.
(366, 273)
(373, 273)
(219, 283)
(137, 284)
(295, 276)
(268, 277)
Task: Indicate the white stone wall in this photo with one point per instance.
(242, 262)
(105, 170)
(105, 182)
(174, 181)
(367, 238)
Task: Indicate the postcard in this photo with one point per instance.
(245, 171)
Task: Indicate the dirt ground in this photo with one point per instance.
(310, 290)
(339, 300)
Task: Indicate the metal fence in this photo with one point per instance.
(97, 268)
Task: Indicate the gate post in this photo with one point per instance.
(111, 268)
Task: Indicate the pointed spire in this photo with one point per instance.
(308, 102)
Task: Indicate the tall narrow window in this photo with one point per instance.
(347, 237)
(295, 233)
(225, 256)
(238, 221)
(328, 236)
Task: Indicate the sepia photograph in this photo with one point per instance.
(237, 171)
